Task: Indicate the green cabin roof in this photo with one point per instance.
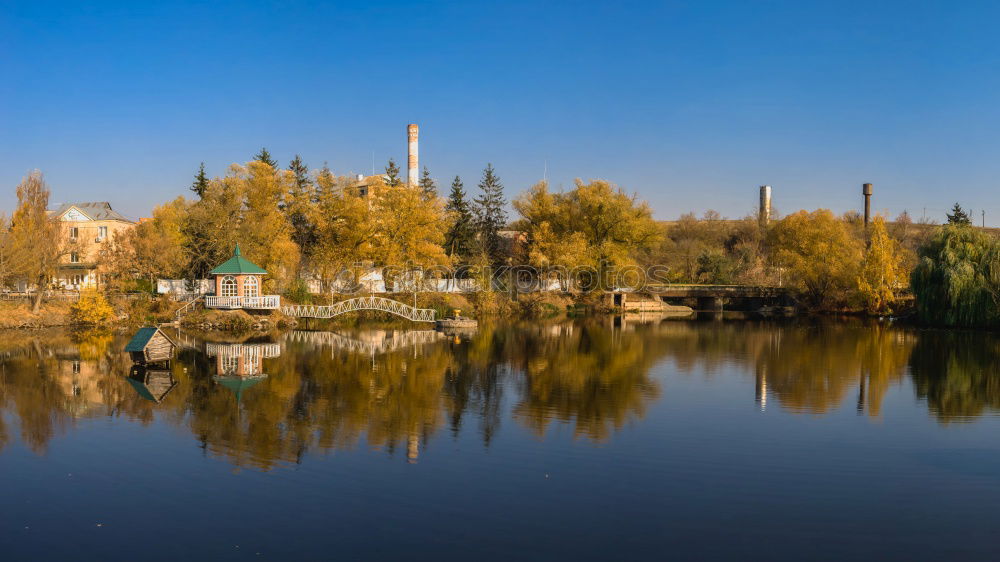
(237, 265)
(141, 338)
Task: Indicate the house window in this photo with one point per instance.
(102, 232)
(74, 257)
(229, 286)
(250, 287)
(76, 280)
(74, 232)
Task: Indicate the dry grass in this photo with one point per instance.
(17, 314)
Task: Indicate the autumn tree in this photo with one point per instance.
(153, 249)
(460, 239)
(491, 215)
(881, 270)
(594, 224)
(35, 236)
(407, 229)
(819, 256)
(264, 233)
(344, 228)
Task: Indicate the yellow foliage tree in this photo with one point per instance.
(882, 270)
(818, 255)
(91, 309)
(595, 224)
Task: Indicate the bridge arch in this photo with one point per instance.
(380, 304)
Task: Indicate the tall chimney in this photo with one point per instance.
(765, 204)
(866, 190)
(411, 161)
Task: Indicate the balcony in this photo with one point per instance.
(265, 302)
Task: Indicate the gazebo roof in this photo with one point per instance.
(238, 265)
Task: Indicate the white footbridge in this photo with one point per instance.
(360, 303)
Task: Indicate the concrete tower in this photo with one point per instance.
(866, 190)
(412, 163)
(765, 204)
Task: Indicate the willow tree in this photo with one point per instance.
(882, 270)
(957, 279)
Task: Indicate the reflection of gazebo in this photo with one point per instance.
(151, 384)
(238, 384)
(241, 359)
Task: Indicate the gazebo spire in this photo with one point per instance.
(236, 252)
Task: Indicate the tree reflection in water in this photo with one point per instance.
(263, 403)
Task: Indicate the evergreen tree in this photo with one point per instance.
(392, 174)
(324, 184)
(958, 216)
(265, 157)
(200, 184)
(461, 237)
(299, 205)
(428, 189)
(491, 217)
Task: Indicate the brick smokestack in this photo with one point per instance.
(412, 163)
(765, 205)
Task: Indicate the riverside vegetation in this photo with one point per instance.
(311, 224)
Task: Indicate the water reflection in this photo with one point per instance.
(262, 403)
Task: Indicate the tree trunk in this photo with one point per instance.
(36, 304)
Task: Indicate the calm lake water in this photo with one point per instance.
(592, 439)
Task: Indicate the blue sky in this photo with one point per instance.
(689, 104)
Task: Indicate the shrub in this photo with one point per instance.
(92, 309)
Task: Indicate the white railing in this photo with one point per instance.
(265, 302)
(245, 350)
(361, 303)
(187, 307)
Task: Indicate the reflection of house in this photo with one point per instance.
(151, 384)
(86, 227)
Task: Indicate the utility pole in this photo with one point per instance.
(984, 218)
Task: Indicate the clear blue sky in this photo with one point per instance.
(689, 104)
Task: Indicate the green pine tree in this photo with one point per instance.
(460, 239)
(298, 204)
(324, 184)
(265, 157)
(392, 174)
(958, 216)
(200, 184)
(428, 189)
(491, 215)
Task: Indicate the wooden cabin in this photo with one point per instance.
(150, 345)
(151, 384)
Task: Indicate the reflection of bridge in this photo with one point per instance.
(711, 297)
(380, 341)
(360, 303)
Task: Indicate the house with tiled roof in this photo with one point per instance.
(86, 227)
